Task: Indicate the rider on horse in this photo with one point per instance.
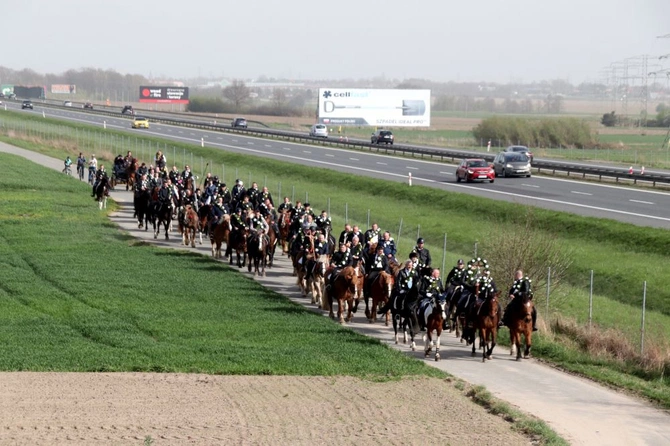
(340, 259)
(371, 236)
(99, 175)
(323, 222)
(404, 283)
(424, 257)
(469, 283)
(522, 285)
(356, 250)
(263, 196)
(388, 244)
(430, 287)
(378, 263)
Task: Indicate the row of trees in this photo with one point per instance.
(548, 132)
(550, 104)
(662, 119)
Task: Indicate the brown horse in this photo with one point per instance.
(433, 314)
(272, 241)
(485, 316)
(284, 230)
(343, 288)
(220, 234)
(188, 226)
(257, 247)
(131, 171)
(380, 292)
(520, 322)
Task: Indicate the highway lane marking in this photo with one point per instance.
(330, 155)
(530, 185)
(383, 164)
(446, 173)
(640, 201)
(268, 145)
(353, 159)
(192, 134)
(234, 140)
(250, 143)
(579, 193)
(306, 151)
(286, 148)
(410, 167)
(219, 137)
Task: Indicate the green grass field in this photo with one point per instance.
(598, 244)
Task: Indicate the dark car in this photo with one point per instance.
(520, 149)
(128, 110)
(239, 123)
(475, 169)
(88, 105)
(512, 164)
(27, 104)
(382, 136)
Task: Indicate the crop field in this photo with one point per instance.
(597, 245)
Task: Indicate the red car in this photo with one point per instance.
(474, 170)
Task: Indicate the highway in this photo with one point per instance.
(626, 204)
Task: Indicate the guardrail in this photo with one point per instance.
(570, 169)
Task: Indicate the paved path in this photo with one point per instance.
(578, 409)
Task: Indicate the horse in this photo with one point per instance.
(432, 313)
(316, 278)
(141, 201)
(284, 230)
(343, 288)
(161, 212)
(203, 216)
(102, 192)
(520, 322)
(220, 234)
(131, 174)
(188, 225)
(380, 292)
(401, 315)
(272, 238)
(237, 240)
(485, 317)
(257, 247)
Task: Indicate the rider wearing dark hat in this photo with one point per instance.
(424, 257)
(378, 263)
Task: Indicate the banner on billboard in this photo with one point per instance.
(63, 89)
(373, 107)
(166, 95)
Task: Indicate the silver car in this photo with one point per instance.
(512, 164)
(319, 130)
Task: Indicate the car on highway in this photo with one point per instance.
(140, 122)
(520, 149)
(382, 136)
(88, 105)
(239, 123)
(27, 104)
(319, 130)
(475, 169)
(127, 110)
(512, 164)
(67, 104)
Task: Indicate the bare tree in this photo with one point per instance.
(237, 93)
(279, 97)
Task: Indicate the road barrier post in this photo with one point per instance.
(644, 305)
(642, 171)
(104, 124)
(410, 178)
(202, 142)
(43, 115)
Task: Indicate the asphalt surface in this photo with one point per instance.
(581, 411)
(626, 204)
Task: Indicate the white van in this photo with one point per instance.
(319, 130)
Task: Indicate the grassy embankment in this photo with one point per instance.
(599, 245)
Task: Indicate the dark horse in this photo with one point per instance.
(102, 192)
(432, 313)
(161, 213)
(141, 200)
(257, 247)
(237, 240)
(519, 320)
(401, 313)
(273, 237)
(484, 315)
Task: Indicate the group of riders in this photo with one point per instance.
(308, 234)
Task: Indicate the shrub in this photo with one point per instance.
(549, 132)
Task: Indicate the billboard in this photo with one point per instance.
(373, 107)
(165, 95)
(63, 89)
(30, 92)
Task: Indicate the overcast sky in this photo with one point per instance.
(486, 40)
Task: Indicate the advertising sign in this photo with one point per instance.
(63, 89)
(387, 108)
(164, 95)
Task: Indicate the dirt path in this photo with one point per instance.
(581, 411)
